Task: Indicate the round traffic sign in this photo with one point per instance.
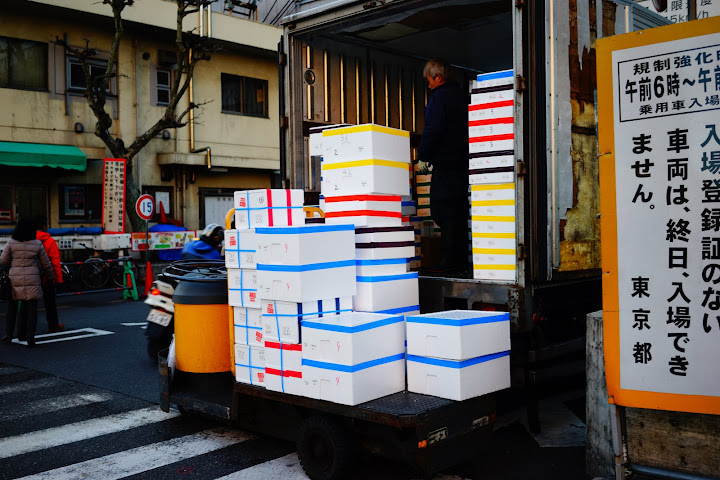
(145, 207)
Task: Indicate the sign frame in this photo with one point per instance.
(140, 199)
(608, 206)
(104, 186)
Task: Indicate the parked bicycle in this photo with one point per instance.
(95, 273)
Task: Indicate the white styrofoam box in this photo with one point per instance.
(506, 261)
(493, 227)
(283, 368)
(482, 272)
(492, 143)
(111, 241)
(285, 317)
(422, 189)
(478, 177)
(371, 176)
(250, 364)
(268, 208)
(494, 79)
(491, 161)
(353, 338)
(458, 380)
(385, 292)
(306, 244)
(364, 210)
(361, 142)
(486, 111)
(485, 97)
(500, 244)
(458, 334)
(493, 208)
(247, 325)
(240, 246)
(409, 208)
(304, 283)
(504, 191)
(384, 266)
(483, 128)
(404, 311)
(243, 287)
(355, 384)
(375, 243)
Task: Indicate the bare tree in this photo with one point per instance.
(190, 49)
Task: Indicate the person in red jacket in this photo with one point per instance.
(48, 286)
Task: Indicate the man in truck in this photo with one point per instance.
(444, 145)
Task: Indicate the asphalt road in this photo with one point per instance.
(96, 378)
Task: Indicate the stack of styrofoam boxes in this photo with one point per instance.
(303, 272)
(458, 354)
(492, 178)
(253, 208)
(353, 358)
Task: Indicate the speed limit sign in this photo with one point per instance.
(145, 207)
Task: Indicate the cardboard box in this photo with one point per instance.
(353, 338)
(364, 210)
(283, 368)
(247, 326)
(385, 292)
(424, 212)
(353, 385)
(285, 317)
(240, 247)
(306, 244)
(362, 177)
(422, 188)
(458, 380)
(304, 283)
(368, 141)
(269, 208)
(458, 334)
(243, 287)
(388, 266)
(375, 243)
(250, 364)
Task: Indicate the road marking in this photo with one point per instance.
(135, 324)
(74, 432)
(287, 468)
(66, 335)
(10, 370)
(29, 385)
(54, 404)
(147, 457)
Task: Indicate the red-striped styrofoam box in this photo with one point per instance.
(364, 210)
(268, 208)
(283, 368)
(250, 364)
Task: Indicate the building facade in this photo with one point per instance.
(51, 162)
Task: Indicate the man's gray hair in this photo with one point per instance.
(437, 66)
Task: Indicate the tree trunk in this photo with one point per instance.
(132, 193)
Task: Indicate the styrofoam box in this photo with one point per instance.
(507, 262)
(492, 97)
(285, 317)
(315, 139)
(111, 241)
(353, 338)
(494, 79)
(480, 242)
(364, 210)
(360, 142)
(268, 208)
(479, 128)
(353, 385)
(500, 276)
(240, 247)
(304, 283)
(493, 161)
(409, 208)
(477, 177)
(492, 192)
(493, 208)
(306, 244)
(458, 380)
(250, 364)
(247, 325)
(483, 144)
(484, 226)
(385, 266)
(385, 292)
(458, 334)
(283, 368)
(491, 110)
(384, 242)
(404, 311)
(371, 176)
(243, 287)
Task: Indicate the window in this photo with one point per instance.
(23, 64)
(76, 80)
(244, 95)
(163, 86)
(80, 203)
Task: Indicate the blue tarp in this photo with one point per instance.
(63, 231)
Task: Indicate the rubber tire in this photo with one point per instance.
(324, 449)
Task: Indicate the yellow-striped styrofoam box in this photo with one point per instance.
(504, 191)
(506, 274)
(362, 142)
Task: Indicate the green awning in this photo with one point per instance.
(42, 155)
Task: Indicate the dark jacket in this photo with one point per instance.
(26, 262)
(199, 250)
(444, 144)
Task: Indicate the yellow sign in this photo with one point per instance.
(659, 133)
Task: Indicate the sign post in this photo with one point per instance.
(145, 208)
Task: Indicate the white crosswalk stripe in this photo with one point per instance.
(53, 437)
(29, 385)
(54, 404)
(287, 468)
(141, 459)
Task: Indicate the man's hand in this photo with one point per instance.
(423, 168)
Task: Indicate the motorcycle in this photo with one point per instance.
(160, 320)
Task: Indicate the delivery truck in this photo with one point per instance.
(359, 62)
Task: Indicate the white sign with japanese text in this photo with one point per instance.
(677, 10)
(667, 172)
(113, 213)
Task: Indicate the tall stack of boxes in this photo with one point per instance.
(492, 178)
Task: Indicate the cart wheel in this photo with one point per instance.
(323, 448)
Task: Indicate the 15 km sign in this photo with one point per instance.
(145, 207)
